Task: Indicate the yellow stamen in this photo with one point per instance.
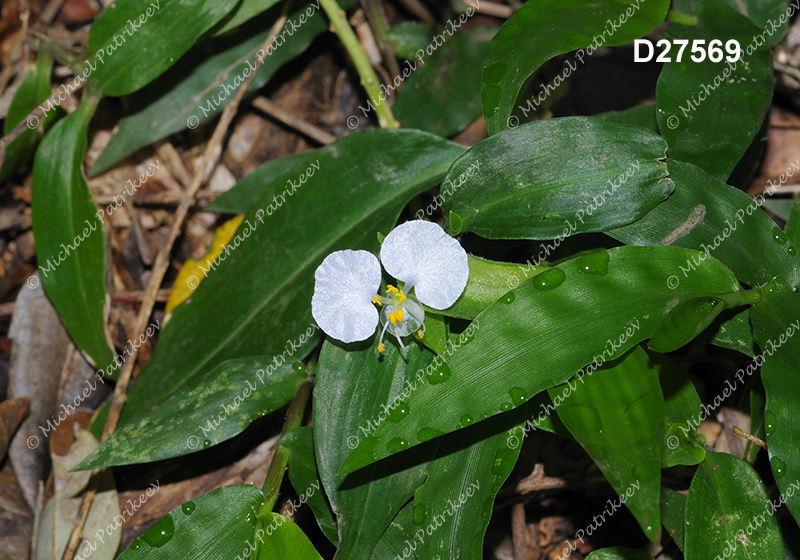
(421, 334)
(401, 297)
(391, 290)
(381, 347)
(377, 299)
(399, 314)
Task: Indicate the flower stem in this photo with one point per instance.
(368, 78)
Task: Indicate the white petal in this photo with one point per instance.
(421, 254)
(342, 304)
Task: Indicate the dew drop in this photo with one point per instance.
(137, 544)
(484, 416)
(160, 533)
(399, 412)
(549, 279)
(206, 443)
(769, 287)
(595, 264)
(299, 367)
(466, 420)
(420, 514)
(396, 445)
(778, 236)
(188, 508)
(441, 374)
(778, 467)
(517, 395)
(508, 298)
(506, 406)
(769, 422)
(426, 434)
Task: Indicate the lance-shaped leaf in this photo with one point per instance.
(134, 42)
(673, 510)
(304, 475)
(351, 394)
(690, 93)
(542, 29)
(202, 82)
(70, 246)
(213, 408)
(687, 320)
(216, 526)
(732, 330)
(766, 14)
(617, 415)
(728, 512)
(267, 278)
(444, 95)
(707, 215)
(33, 90)
(244, 11)
(776, 322)
(398, 539)
(792, 229)
(558, 177)
(283, 540)
(556, 323)
(452, 509)
(618, 553)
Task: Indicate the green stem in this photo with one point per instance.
(683, 19)
(368, 78)
(745, 297)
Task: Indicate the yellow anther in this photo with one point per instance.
(377, 299)
(401, 297)
(421, 334)
(392, 290)
(381, 347)
(399, 314)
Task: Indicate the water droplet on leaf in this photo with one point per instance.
(549, 279)
(426, 434)
(188, 508)
(160, 533)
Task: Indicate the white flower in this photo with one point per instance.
(419, 254)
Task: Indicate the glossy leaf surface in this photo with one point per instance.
(704, 213)
(267, 279)
(728, 512)
(558, 322)
(689, 93)
(558, 177)
(70, 245)
(687, 320)
(617, 415)
(541, 29)
(760, 12)
(287, 540)
(213, 408)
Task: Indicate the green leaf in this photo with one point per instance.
(673, 509)
(444, 95)
(268, 280)
(792, 229)
(557, 323)
(617, 415)
(135, 41)
(618, 553)
(690, 95)
(351, 390)
(681, 403)
(70, 246)
(408, 37)
(760, 12)
(775, 326)
(213, 408)
(686, 320)
(452, 509)
(201, 84)
(541, 30)
(732, 330)
(435, 333)
(584, 175)
(489, 281)
(704, 213)
(304, 476)
(244, 11)
(399, 536)
(728, 512)
(245, 193)
(215, 526)
(640, 115)
(285, 540)
(33, 90)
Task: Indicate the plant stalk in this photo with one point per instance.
(368, 78)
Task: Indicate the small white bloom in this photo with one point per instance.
(419, 254)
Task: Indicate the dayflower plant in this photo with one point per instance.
(419, 254)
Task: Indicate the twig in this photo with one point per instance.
(368, 78)
(51, 11)
(210, 158)
(138, 295)
(759, 442)
(170, 198)
(418, 9)
(538, 481)
(491, 9)
(519, 532)
(290, 120)
(377, 19)
(7, 309)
